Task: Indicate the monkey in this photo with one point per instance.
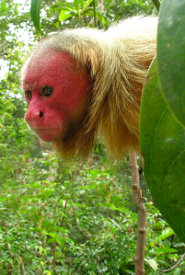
(83, 83)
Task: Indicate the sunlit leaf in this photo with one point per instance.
(87, 3)
(64, 14)
(101, 18)
(77, 4)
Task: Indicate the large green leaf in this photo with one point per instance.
(35, 12)
(171, 54)
(163, 147)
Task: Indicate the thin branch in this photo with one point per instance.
(156, 4)
(175, 265)
(94, 9)
(22, 264)
(141, 211)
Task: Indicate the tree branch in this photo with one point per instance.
(141, 211)
(175, 265)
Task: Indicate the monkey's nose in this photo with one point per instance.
(41, 114)
(34, 117)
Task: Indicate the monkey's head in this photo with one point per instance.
(57, 92)
(58, 81)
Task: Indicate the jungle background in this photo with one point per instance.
(59, 217)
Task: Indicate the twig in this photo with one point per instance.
(22, 264)
(94, 9)
(156, 4)
(141, 211)
(175, 265)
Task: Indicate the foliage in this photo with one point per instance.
(116, 10)
(82, 13)
(15, 138)
(76, 221)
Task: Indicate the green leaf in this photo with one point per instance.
(101, 17)
(163, 147)
(77, 4)
(166, 233)
(64, 14)
(35, 12)
(171, 55)
(86, 4)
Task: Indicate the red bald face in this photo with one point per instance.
(57, 92)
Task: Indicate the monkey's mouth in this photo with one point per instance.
(48, 134)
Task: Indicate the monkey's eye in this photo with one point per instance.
(47, 91)
(28, 94)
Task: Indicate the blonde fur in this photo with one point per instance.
(118, 60)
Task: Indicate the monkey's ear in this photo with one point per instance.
(89, 56)
(93, 61)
